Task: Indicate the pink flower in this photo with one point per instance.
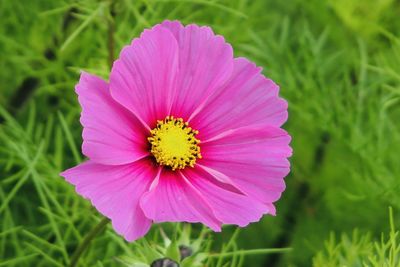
(182, 132)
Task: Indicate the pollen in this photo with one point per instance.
(173, 143)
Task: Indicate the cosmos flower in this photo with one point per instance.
(183, 131)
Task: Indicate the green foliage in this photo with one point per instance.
(198, 250)
(337, 63)
(360, 250)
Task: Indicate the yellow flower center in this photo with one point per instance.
(173, 143)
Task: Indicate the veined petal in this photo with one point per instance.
(115, 191)
(205, 64)
(143, 78)
(174, 199)
(111, 134)
(229, 207)
(248, 98)
(252, 159)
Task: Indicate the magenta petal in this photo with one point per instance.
(174, 199)
(142, 79)
(271, 208)
(229, 207)
(254, 160)
(248, 98)
(205, 64)
(115, 191)
(175, 27)
(111, 134)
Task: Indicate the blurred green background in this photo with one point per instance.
(337, 63)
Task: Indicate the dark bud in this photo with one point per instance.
(164, 262)
(23, 93)
(185, 251)
(49, 54)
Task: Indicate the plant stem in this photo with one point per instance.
(86, 241)
(111, 31)
(251, 252)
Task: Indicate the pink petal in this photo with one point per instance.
(174, 199)
(205, 64)
(252, 159)
(248, 98)
(175, 27)
(229, 207)
(271, 208)
(115, 191)
(143, 78)
(111, 134)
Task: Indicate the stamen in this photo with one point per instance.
(173, 143)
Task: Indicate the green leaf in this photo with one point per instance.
(173, 251)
